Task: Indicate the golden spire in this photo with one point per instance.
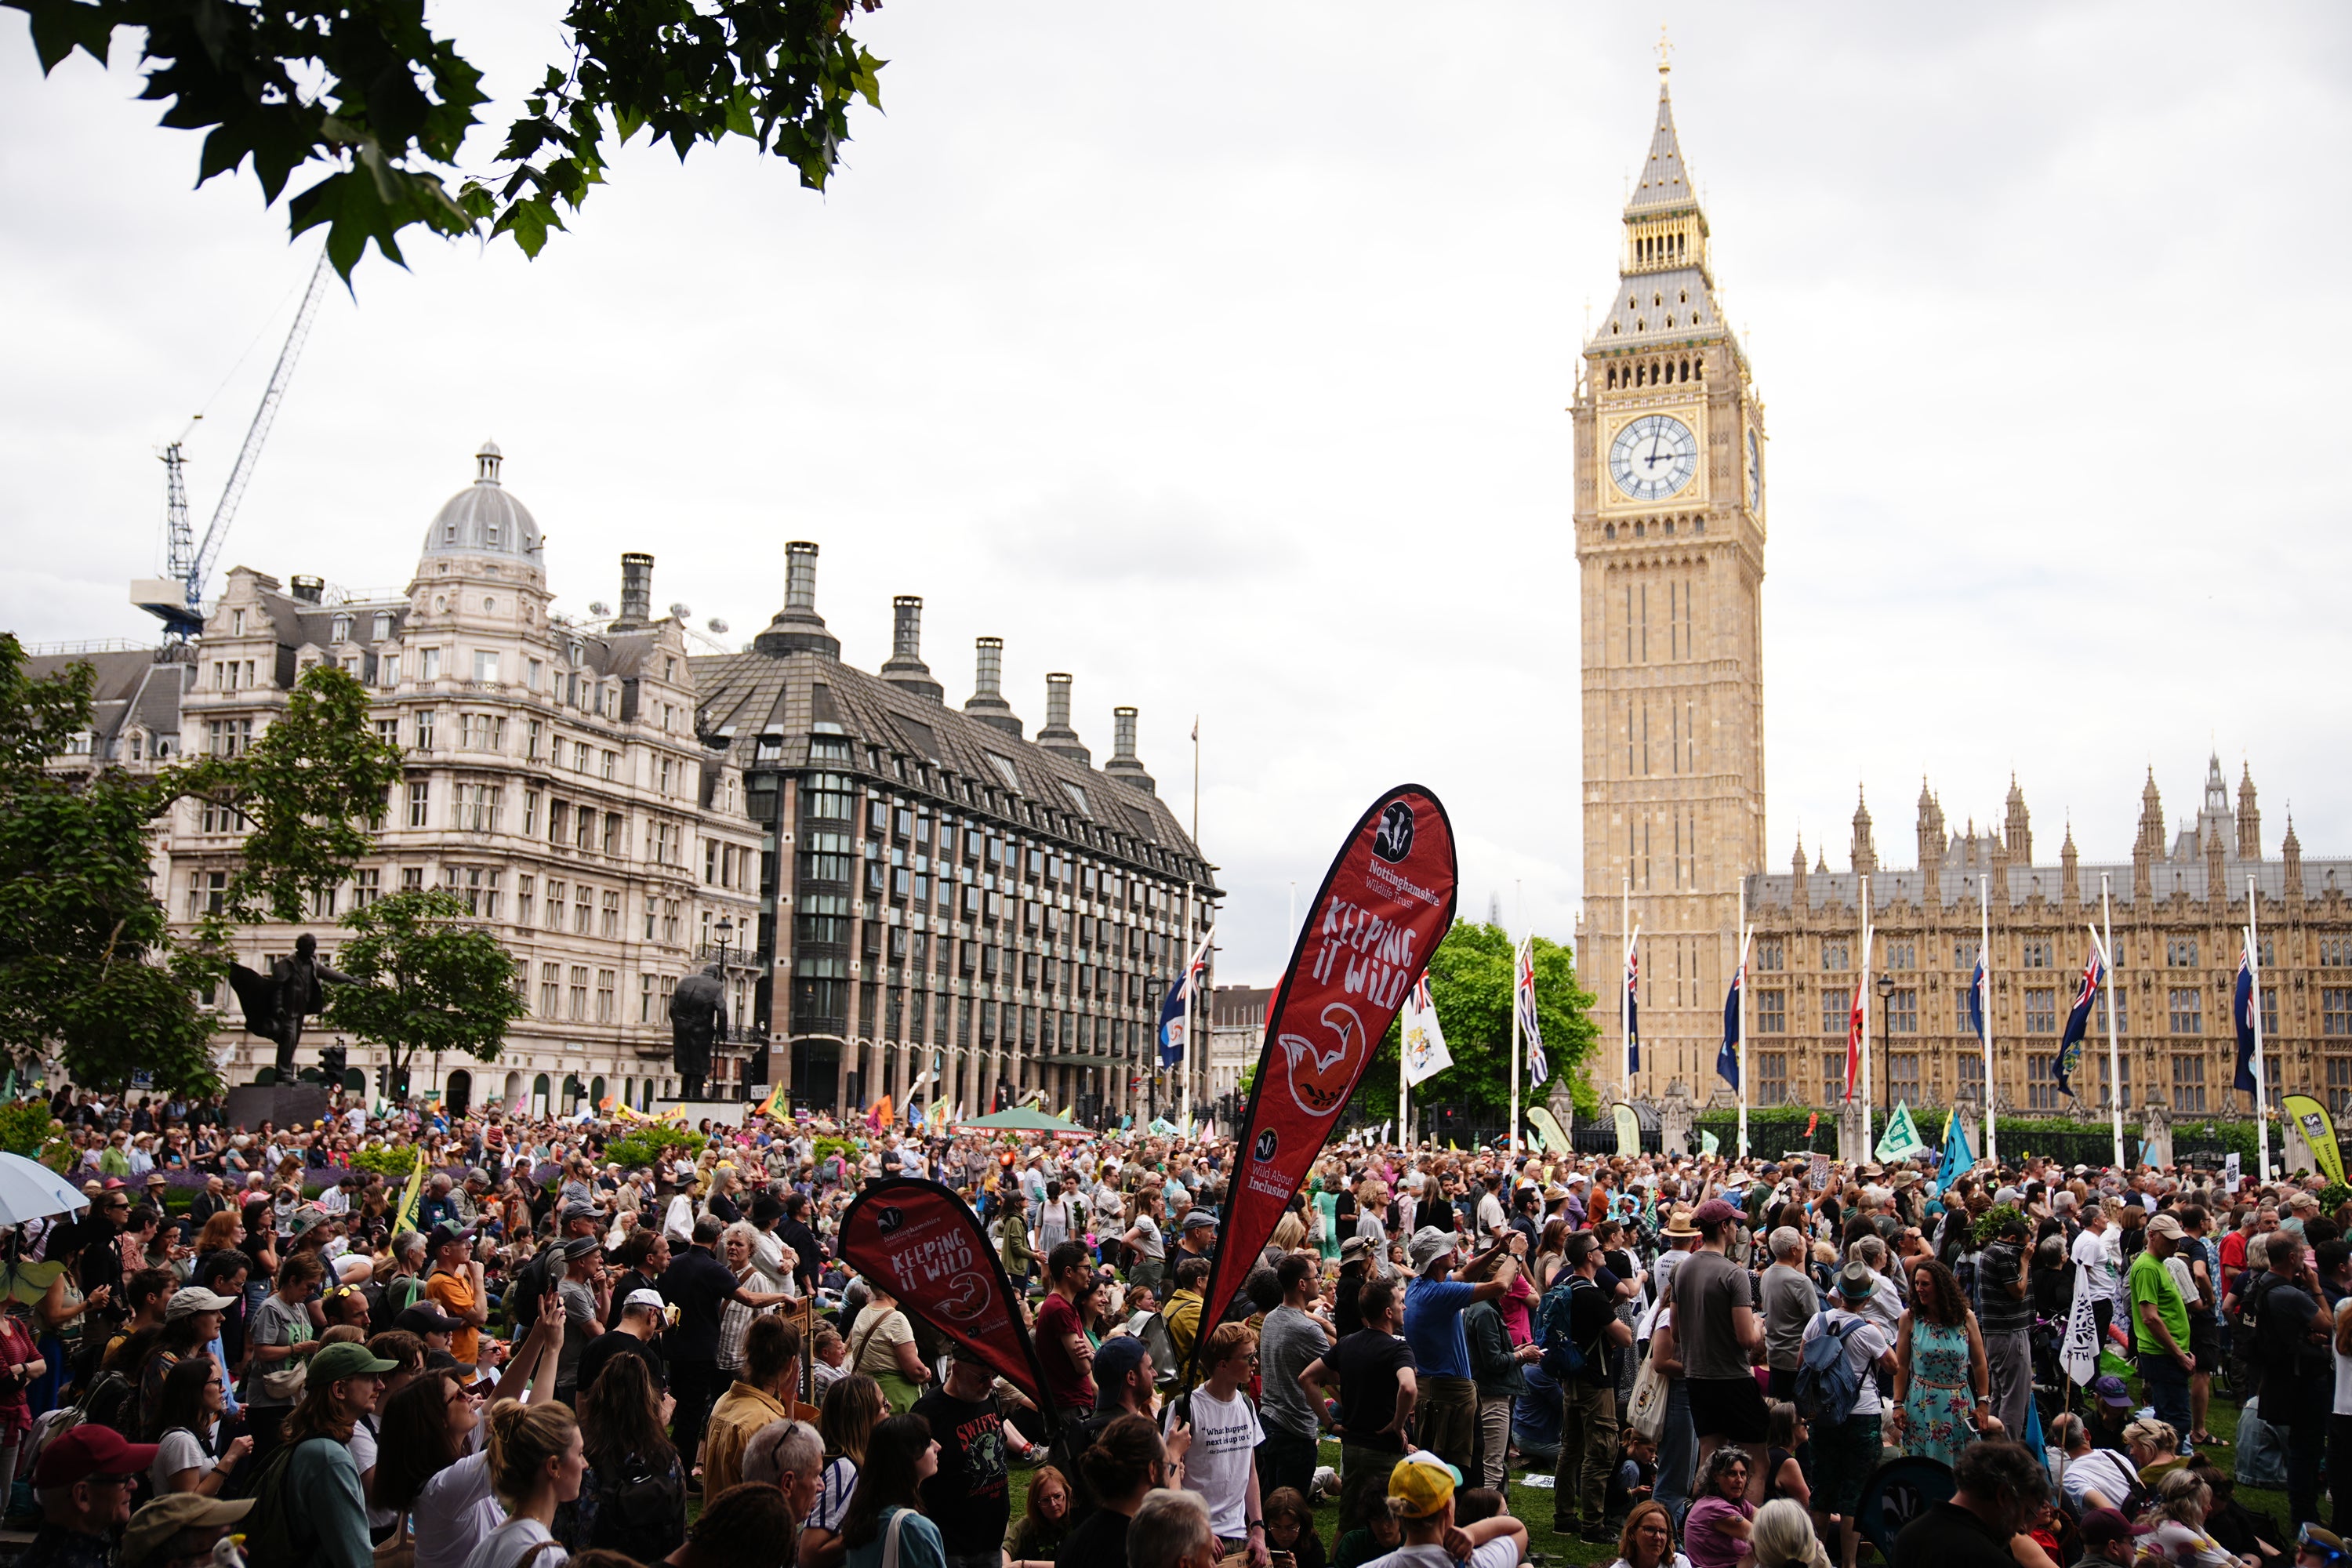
(1666, 53)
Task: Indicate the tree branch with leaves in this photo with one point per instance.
(430, 980)
(369, 98)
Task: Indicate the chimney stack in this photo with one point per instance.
(1124, 765)
(797, 627)
(1057, 737)
(906, 667)
(636, 591)
(988, 704)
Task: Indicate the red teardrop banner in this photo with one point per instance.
(1385, 904)
(918, 1241)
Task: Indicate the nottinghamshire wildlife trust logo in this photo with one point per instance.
(1321, 1076)
(1393, 840)
(1265, 1146)
(890, 1218)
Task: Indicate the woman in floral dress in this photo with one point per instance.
(1942, 1389)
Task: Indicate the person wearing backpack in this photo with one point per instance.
(1583, 1337)
(1847, 1360)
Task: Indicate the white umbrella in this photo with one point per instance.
(28, 1190)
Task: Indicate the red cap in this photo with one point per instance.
(88, 1450)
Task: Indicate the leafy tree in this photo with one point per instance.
(430, 979)
(367, 97)
(88, 962)
(1470, 981)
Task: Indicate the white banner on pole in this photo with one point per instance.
(2079, 1355)
(1425, 1041)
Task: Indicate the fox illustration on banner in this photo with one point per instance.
(1367, 938)
(921, 1242)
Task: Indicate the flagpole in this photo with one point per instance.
(2254, 1005)
(1184, 957)
(1984, 1007)
(1514, 1144)
(2114, 1052)
(1624, 993)
(1862, 1001)
(1739, 978)
(1404, 1089)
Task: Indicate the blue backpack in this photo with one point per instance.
(1565, 1361)
(1827, 1384)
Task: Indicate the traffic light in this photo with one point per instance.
(331, 1064)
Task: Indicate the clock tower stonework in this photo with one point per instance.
(1669, 510)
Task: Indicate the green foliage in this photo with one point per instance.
(430, 979)
(2332, 1196)
(639, 1148)
(824, 1147)
(1989, 1223)
(1470, 986)
(366, 96)
(88, 962)
(387, 1161)
(26, 1125)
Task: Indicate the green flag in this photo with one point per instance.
(1708, 1143)
(1902, 1140)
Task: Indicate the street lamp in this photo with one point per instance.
(1886, 1032)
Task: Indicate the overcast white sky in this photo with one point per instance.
(1218, 354)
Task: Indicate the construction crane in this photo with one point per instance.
(178, 600)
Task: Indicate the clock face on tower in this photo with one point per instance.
(1653, 456)
(1754, 473)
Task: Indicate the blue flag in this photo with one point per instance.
(1727, 1058)
(2242, 1013)
(1633, 1008)
(1976, 1002)
(2070, 1045)
(1958, 1156)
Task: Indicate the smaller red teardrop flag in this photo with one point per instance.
(918, 1241)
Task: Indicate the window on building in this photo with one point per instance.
(2041, 1010)
(1833, 1079)
(579, 756)
(2042, 1082)
(2336, 1011)
(550, 989)
(2188, 1010)
(607, 981)
(1773, 1011)
(1771, 1077)
(2036, 954)
(579, 992)
(526, 905)
(383, 625)
(614, 825)
(388, 730)
(429, 666)
(486, 664)
(367, 887)
(555, 891)
(584, 826)
(1964, 955)
(1903, 1011)
(425, 729)
(1903, 1075)
(1961, 1009)
(2270, 1013)
(583, 908)
(420, 803)
(2116, 1086)
(207, 892)
(1837, 1010)
(2339, 1083)
(1771, 956)
(2335, 952)
(611, 764)
(1836, 955)
(670, 933)
(1902, 955)
(322, 904)
(1968, 1075)
(2180, 953)
(412, 878)
(612, 922)
(2187, 1083)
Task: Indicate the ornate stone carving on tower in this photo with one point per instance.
(1669, 514)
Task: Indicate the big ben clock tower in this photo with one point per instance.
(1670, 483)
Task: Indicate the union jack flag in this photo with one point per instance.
(1530, 1027)
(1633, 1008)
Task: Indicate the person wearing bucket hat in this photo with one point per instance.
(1447, 1412)
(1421, 1496)
(1846, 1452)
(178, 1530)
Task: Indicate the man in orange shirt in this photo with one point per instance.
(456, 1288)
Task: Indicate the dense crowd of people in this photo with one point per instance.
(539, 1353)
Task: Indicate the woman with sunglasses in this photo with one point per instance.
(187, 1432)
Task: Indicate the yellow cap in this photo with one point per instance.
(1422, 1484)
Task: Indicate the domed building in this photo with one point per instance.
(555, 782)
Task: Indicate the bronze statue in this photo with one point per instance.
(275, 1003)
(698, 1015)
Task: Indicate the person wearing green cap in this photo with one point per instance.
(309, 1509)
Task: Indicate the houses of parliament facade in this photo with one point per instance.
(1670, 471)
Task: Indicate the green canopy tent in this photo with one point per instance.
(1022, 1119)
